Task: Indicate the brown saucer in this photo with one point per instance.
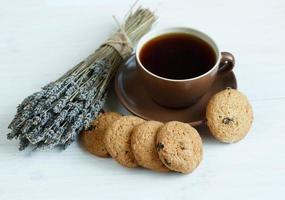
(132, 94)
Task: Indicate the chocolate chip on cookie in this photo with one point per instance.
(229, 115)
(179, 146)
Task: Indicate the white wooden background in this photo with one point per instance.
(39, 40)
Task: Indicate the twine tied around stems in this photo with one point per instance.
(120, 42)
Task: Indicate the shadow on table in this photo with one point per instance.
(207, 137)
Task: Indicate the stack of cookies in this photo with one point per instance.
(134, 142)
(173, 146)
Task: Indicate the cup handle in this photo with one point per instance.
(227, 63)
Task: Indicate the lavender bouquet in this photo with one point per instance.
(54, 116)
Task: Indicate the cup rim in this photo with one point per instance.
(147, 37)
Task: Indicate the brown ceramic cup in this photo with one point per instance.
(182, 93)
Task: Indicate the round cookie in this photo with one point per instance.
(118, 140)
(179, 146)
(229, 115)
(92, 139)
(143, 143)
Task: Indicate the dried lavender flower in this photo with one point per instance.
(55, 115)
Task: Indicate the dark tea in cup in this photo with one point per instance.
(177, 56)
